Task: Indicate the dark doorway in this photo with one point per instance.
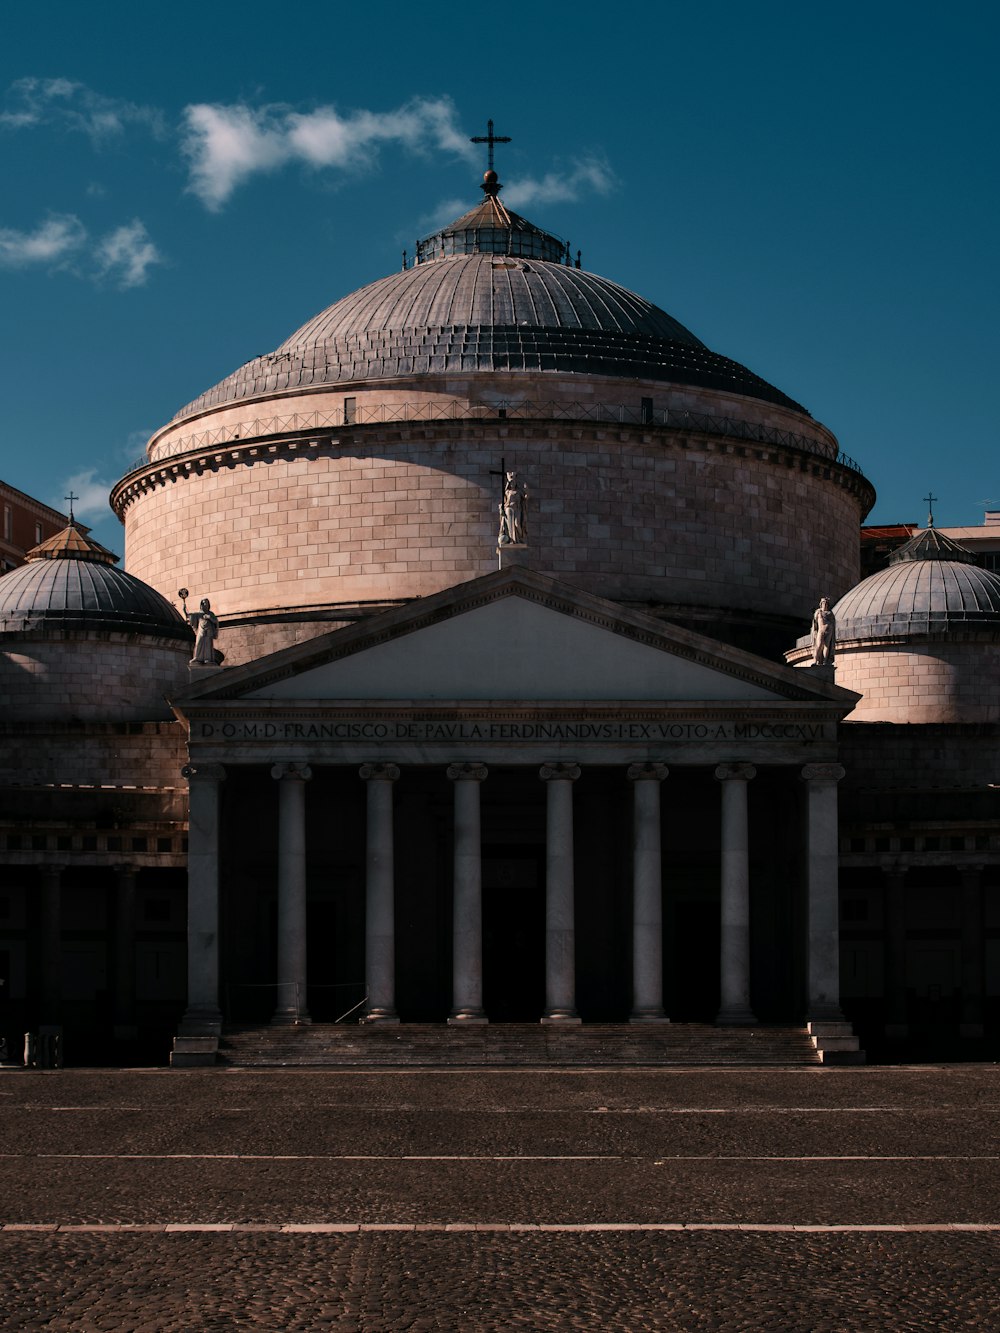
(692, 975)
(514, 933)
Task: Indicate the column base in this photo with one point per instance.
(468, 1018)
(194, 1052)
(201, 1023)
(385, 1017)
(289, 1018)
(561, 1017)
(648, 1016)
(736, 1016)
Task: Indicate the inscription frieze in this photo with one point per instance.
(526, 731)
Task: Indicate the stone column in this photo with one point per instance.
(467, 899)
(51, 944)
(380, 909)
(894, 927)
(203, 1017)
(822, 893)
(560, 935)
(125, 1029)
(973, 969)
(291, 1006)
(734, 935)
(647, 894)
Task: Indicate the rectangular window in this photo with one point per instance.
(8, 523)
(38, 533)
(350, 411)
(646, 411)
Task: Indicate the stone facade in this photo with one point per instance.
(124, 677)
(950, 679)
(384, 514)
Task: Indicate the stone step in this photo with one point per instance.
(436, 1045)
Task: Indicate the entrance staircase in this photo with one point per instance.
(506, 1045)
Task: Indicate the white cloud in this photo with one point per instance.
(126, 254)
(53, 240)
(91, 504)
(62, 241)
(62, 102)
(555, 187)
(227, 144)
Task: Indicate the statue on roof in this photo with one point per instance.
(513, 512)
(824, 634)
(205, 624)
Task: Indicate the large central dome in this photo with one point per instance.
(491, 292)
(360, 464)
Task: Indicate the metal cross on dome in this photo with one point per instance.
(490, 139)
(71, 497)
(930, 508)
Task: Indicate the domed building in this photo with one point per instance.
(503, 561)
(359, 465)
(93, 815)
(919, 641)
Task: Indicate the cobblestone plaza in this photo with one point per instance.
(807, 1199)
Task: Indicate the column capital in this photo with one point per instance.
(823, 772)
(294, 772)
(468, 772)
(559, 772)
(735, 772)
(204, 772)
(647, 772)
(379, 772)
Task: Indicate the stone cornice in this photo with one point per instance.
(313, 444)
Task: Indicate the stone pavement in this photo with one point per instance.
(805, 1199)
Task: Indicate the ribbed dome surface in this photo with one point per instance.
(83, 595)
(919, 597)
(489, 312)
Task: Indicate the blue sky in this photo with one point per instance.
(812, 189)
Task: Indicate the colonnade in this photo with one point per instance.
(646, 779)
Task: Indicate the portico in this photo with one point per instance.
(613, 757)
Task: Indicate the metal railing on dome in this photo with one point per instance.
(456, 409)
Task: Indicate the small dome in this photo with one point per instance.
(70, 583)
(919, 596)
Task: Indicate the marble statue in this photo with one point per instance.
(205, 624)
(824, 634)
(513, 513)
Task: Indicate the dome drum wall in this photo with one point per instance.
(477, 397)
(936, 680)
(89, 676)
(638, 515)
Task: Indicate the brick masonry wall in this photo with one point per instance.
(929, 757)
(955, 680)
(107, 677)
(130, 755)
(402, 512)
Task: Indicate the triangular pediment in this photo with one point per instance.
(514, 636)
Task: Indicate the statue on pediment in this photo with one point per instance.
(824, 634)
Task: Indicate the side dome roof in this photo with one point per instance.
(489, 292)
(70, 583)
(931, 586)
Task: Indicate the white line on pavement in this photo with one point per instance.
(494, 1157)
(337, 1228)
